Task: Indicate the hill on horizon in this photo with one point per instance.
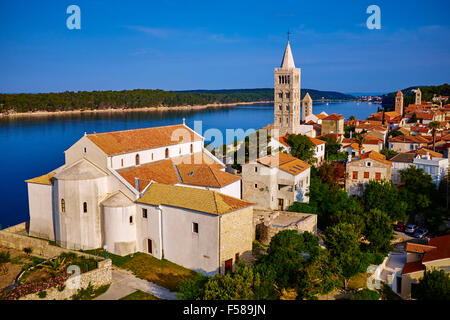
(409, 93)
(141, 98)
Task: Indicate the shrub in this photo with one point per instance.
(365, 294)
(28, 250)
(42, 294)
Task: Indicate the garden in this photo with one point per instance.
(38, 275)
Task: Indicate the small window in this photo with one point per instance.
(195, 227)
(121, 162)
(131, 219)
(85, 207)
(256, 169)
(63, 205)
(355, 175)
(138, 161)
(192, 148)
(152, 156)
(85, 150)
(366, 175)
(368, 164)
(256, 186)
(144, 213)
(167, 153)
(378, 176)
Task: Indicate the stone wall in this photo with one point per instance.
(266, 226)
(98, 277)
(15, 238)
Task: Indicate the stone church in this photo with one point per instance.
(153, 190)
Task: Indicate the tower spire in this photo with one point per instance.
(288, 59)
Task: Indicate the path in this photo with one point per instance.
(125, 283)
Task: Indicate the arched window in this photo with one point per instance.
(289, 79)
(85, 207)
(137, 160)
(279, 79)
(131, 219)
(167, 153)
(63, 205)
(192, 148)
(152, 156)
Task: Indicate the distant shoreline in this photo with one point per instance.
(43, 113)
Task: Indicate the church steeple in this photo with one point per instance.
(287, 95)
(288, 59)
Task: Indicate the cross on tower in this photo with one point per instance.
(288, 33)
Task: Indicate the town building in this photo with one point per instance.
(404, 143)
(420, 258)
(418, 97)
(276, 181)
(96, 198)
(370, 166)
(333, 124)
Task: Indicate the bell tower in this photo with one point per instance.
(399, 102)
(287, 95)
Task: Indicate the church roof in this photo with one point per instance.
(399, 93)
(44, 179)
(118, 142)
(201, 200)
(288, 59)
(81, 170)
(116, 200)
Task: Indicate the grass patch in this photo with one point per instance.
(140, 295)
(358, 282)
(116, 260)
(162, 272)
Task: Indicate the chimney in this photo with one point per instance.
(136, 184)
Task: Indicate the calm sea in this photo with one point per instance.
(35, 145)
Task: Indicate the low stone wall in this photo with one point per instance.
(266, 228)
(98, 277)
(16, 237)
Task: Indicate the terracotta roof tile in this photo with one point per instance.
(442, 251)
(375, 156)
(203, 175)
(334, 116)
(411, 267)
(117, 142)
(285, 162)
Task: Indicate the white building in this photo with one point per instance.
(436, 167)
(96, 197)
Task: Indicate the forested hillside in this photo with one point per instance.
(409, 95)
(140, 98)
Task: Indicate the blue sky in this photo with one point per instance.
(181, 45)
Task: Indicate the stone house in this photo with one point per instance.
(407, 143)
(370, 166)
(276, 181)
(333, 124)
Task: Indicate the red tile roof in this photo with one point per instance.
(442, 251)
(334, 116)
(411, 267)
(117, 142)
(409, 139)
(375, 156)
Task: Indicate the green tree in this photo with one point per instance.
(378, 231)
(193, 289)
(435, 285)
(343, 243)
(301, 147)
(385, 196)
(388, 153)
(332, 147)
(365, 294)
